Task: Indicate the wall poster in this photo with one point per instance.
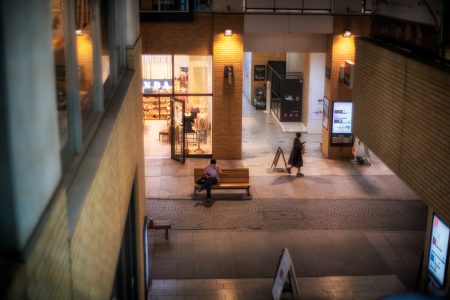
(259, 73)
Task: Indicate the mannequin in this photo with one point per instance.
(202, 126)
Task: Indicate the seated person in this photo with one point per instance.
(212, 172)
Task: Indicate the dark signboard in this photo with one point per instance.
(259, 73)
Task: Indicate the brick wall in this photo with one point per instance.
(340, 49)
(401, 113)
(97, 237)
(261, 58)
(178, 38)
(227, 101)
(193, 38)
(46, 273)
(134, 63)
(83, 266)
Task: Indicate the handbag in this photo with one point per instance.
(303, 148)
(201, 180)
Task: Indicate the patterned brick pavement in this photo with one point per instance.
(279, 214)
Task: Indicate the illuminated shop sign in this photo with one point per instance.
(159, 86)
(437, 259)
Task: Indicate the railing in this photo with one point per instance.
(175, 6)
(259, 6)
(276, 80)
(286, 91)
(147, 276)
(304, 7)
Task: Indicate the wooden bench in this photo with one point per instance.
(160, 225)
(236, 178)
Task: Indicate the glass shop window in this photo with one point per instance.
(157, 74)
(203, 5)
(85, 57)
(119, 35)
(105, 33)
(59, 53)
(165, 5)
(198, 117)
(192, 74)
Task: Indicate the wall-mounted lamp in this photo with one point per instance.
(78, 32)
(228, 32)
(347, 33)
(228, 72)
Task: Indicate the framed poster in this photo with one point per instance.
(341, 123)
(325, 112)
(438, 257)
(259, 73)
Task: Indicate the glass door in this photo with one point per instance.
(177, 130)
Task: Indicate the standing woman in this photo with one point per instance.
(295, 158)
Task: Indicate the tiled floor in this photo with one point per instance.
(332, 263)
(327, 287)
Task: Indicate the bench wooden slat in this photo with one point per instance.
(231, 178)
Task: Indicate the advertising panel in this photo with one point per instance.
(341, 123)
(342, 117)
(437, 259)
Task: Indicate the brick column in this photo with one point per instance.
(227, 96)
(340, 49)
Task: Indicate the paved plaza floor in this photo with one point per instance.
(345, 225)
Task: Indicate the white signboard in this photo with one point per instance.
(437, 260)
(285, 270)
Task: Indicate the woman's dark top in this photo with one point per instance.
(295, 159)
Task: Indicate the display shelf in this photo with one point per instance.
(156, 108)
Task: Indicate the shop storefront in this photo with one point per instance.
(177, 104)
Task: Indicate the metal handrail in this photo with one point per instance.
(147, 276)
(276, 8)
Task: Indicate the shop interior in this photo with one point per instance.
(177, 103)
(177, 98)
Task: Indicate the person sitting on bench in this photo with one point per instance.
(212, 172)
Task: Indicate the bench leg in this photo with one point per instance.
(167, 233)
(248, 192)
